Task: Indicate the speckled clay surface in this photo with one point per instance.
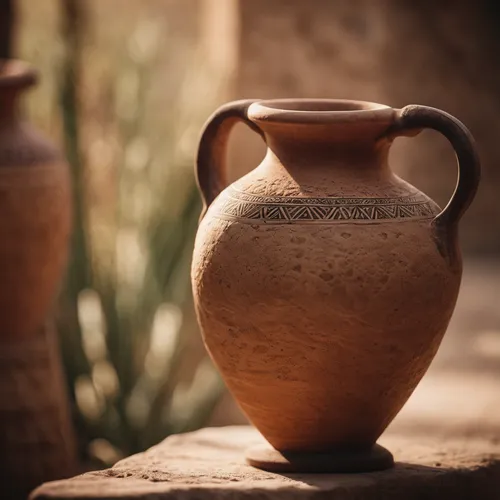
(321, 300)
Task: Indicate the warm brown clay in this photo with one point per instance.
(323, 282)
(36, 440)
(34, 212)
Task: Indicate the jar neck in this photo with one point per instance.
(10, 109)
(357, 157)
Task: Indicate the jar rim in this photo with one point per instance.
(318, 111)
(15, 73)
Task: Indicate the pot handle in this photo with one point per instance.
(411, 119)
(211, 174)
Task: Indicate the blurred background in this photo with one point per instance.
(125, 88)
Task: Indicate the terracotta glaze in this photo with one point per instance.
(323, 282)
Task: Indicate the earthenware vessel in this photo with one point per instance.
(36, 438)
(34, 211)
(323, 282)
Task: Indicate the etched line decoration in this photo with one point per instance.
(238, 205)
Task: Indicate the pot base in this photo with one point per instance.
(341, 461)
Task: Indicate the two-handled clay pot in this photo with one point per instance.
(323, 282)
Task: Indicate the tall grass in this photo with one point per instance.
(129, 110)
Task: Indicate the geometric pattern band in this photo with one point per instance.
(239, 205)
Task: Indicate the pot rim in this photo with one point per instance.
(15, 73)
(304, 110)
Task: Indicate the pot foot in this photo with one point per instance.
(342, 461)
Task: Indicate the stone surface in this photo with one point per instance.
(209, 464)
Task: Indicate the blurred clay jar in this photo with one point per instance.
(323, 282)
(34, 212)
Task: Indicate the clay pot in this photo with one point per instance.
(323, 282)
(34, 212)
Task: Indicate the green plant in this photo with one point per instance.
(129, 338)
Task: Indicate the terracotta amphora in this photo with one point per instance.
(323, 282)
(34, 212)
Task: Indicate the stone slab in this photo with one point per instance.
(209, 464)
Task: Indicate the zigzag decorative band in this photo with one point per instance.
(238, 205)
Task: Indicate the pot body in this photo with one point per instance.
(323, 287)
(34, 215)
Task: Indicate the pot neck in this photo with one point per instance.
(10, 109)
(302, 133)
(310, 164)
